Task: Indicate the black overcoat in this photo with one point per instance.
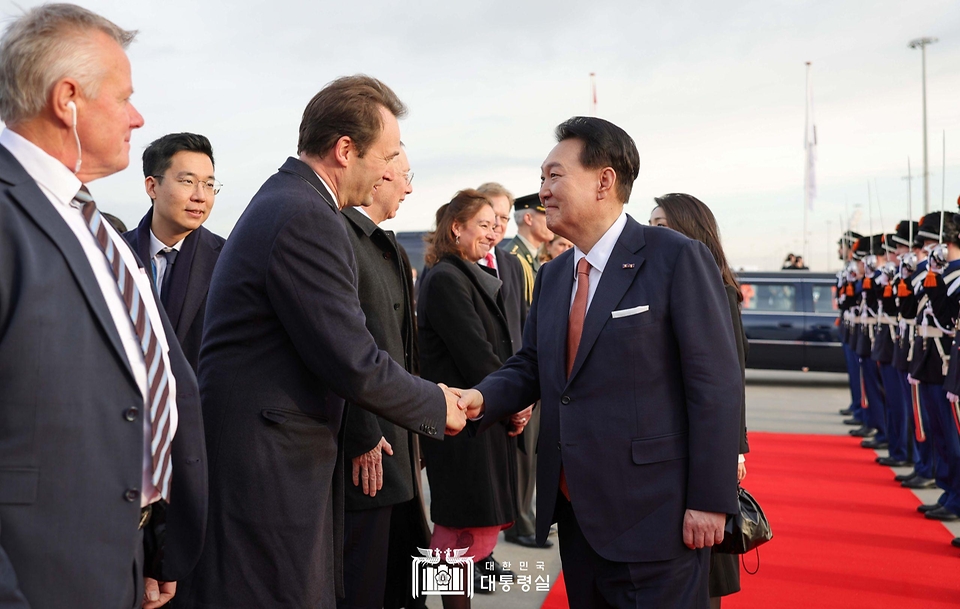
(464, 336)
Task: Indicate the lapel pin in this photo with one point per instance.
(628, 265)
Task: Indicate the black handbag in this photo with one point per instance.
(746, 530)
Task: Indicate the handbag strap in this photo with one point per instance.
(744, 563)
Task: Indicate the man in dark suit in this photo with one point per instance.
(385, 458)
(178, 176)
(629, 346)
(284, 345)
(99, 416)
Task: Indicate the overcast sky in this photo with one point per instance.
(712, 92)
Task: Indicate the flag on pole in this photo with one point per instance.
(810, 150)
(593, 86)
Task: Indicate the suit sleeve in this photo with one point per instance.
(361, 432)
(739, 337)
(516, 385)
(310, 284)
(700, 315)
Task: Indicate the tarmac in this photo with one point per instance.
(777, 401)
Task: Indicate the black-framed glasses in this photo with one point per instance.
(209, 186)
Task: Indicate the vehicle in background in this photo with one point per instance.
(790, 318)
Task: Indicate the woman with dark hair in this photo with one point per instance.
(463, 337)
(689, 216)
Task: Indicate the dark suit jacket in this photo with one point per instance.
(382, 288)
(68, 453)
(189, 283)
(514, 305)
(647, 424)
(464, 336)
(284, 344)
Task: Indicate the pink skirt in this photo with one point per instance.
(480, 541)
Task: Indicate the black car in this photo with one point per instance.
(790, 318)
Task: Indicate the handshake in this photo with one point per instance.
(465, 404)
(462, 404)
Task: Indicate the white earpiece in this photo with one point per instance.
(76, 136)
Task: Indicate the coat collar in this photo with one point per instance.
(306, 173)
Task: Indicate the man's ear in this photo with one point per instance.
(150, 184)
(63, 92)
(528, 219)
(607, 182)
(343, 150)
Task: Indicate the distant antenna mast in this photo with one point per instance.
(593, 98)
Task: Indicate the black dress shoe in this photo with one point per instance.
(528, 541)
(863, 432)
(846, 411)
(489, 566)
(905, 477)
(942, 514)
(928, 507)
(955, 542)
(851, 422)
(918, 482)
(873, 443)
(483, 585)
(891, 462)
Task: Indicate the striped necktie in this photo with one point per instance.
(158, 396)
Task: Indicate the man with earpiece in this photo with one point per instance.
(99, 414)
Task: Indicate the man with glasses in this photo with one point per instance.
(384, 523)
(181, 253)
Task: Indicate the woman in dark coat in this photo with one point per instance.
(463, 337)
(689, 216)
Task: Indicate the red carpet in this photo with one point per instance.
(844, 534)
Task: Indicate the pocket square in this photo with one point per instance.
(629, 312)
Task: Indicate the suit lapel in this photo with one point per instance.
(617, 277)
(36, 205)
(181, 278)
(553, 311)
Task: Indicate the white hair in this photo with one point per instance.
(46, 44)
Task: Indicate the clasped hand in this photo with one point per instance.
(368, 468)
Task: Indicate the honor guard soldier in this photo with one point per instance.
(882, 354)
(929, 366)
(848, 303)
(532, 234)
(874, 418)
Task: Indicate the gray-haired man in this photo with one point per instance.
(99, 415)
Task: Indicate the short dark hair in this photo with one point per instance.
(158, 156)
(441, 242)
(346, 107)
(604, 145)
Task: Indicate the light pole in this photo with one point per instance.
(922, 44)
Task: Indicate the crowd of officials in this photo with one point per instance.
(198, 422)
(899, 294)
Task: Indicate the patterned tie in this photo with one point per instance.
(574, 331)
(158, 396)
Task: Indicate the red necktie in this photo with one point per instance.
(158, 396)
(489, 259)
(574, 331)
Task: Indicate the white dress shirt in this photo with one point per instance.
(160, 262)
(598, 257)
(60, 186)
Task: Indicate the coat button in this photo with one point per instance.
(565, 400)
(386, 256)
(132, 494)
(558, 445)
(130, 414)
(396, 306)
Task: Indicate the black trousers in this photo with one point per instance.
(593, 581)
(366, 540)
